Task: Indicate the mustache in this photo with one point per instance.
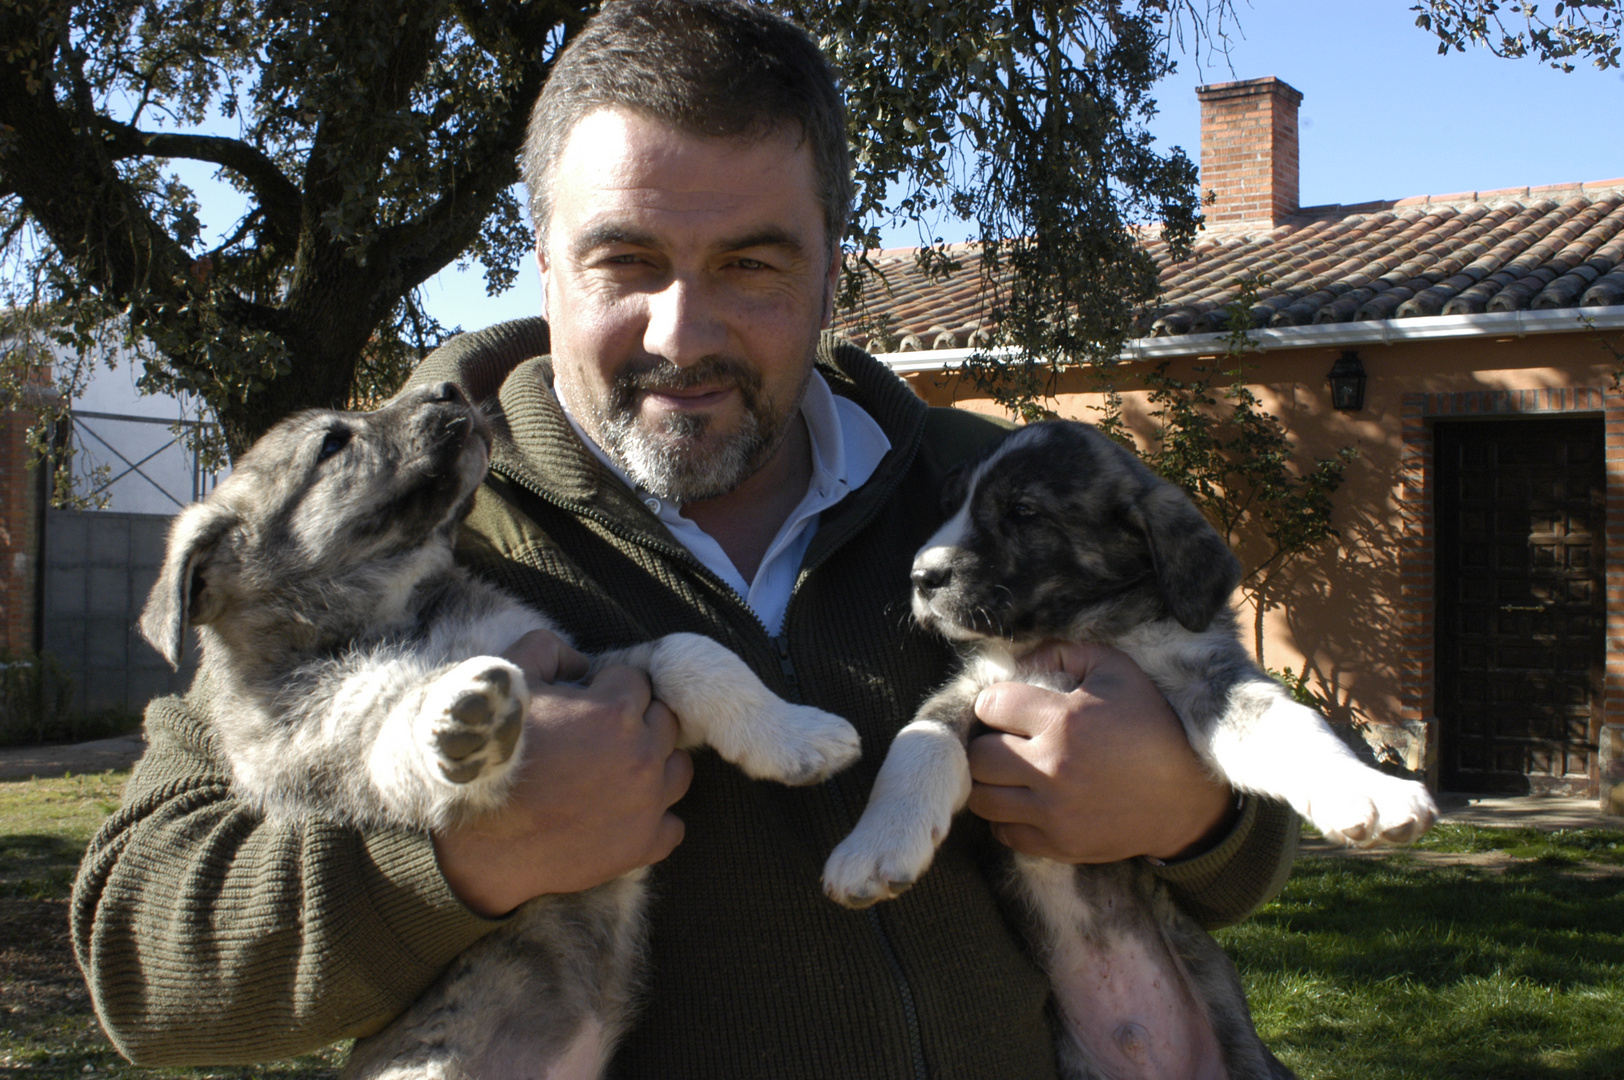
(657, 373)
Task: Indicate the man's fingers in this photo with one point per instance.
(572, 665)
(996, 758)
(666, 838)
(546, 658)
(1009, 805)
(664, 729)
(628, 684)
(1019, 708)
(679, 773)
(1077, 659)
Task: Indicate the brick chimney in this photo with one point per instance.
(1249, 151)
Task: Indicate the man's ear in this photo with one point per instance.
(185, 593)
(831, 283)
(1194, 567)
(544, 268)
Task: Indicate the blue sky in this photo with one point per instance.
(1383, 117)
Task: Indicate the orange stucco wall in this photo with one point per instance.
(1343, 611)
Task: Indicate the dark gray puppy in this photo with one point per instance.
(357, 676)
(1063, 534)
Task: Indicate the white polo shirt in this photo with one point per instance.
(847, 446)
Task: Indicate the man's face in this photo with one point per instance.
(685, 282)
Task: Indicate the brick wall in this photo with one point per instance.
(1249, 151)
(20, 511)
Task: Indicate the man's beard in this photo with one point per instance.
(674, 460)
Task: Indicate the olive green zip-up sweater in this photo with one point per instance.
(209, 936)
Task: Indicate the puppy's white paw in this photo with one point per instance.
(887, 852)
(472, 720)
(1372, 809)
(793, 744)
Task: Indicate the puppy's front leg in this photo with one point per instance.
(923, 782)
(449, 746)
(721, 703)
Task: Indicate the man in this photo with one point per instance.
(678, 464)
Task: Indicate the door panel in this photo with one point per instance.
(1520, 507)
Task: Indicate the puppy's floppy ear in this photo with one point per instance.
(955, 485)
(184, 593)
(1194, 567)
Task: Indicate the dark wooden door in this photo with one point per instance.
(1521, 604)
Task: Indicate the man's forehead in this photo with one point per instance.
(619, 164)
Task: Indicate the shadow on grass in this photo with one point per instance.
(1386, 969)
(38, 866)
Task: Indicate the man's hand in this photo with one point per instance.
(592, 801)
(1101, 774)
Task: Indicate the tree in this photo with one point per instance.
(374, 143)
(1214, 440)
(1576, 28)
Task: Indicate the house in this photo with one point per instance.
(1471, 619)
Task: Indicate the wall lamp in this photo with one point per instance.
(1348, 383)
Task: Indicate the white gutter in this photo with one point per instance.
(1496, 324)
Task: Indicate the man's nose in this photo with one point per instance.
(684, 323)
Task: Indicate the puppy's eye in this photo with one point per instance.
(1022, 510)
(332, 444)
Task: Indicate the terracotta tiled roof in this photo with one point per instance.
(1509, 250)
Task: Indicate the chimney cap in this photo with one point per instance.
(1269, 84)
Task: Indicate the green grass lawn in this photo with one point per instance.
(1396, 966)
(1506, 966)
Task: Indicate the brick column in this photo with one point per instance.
(1611, 756)
(21, 512)
(1416, 569)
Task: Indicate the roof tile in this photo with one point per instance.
(1511, 249)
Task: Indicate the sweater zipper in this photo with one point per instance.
(792, 682)
(837, 798)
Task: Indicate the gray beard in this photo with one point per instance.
(673, 459)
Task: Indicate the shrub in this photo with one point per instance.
(36, 704)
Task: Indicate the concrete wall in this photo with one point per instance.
(99, 567)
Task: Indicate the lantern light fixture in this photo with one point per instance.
(1348, 383)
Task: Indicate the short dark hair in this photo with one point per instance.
(717, 68)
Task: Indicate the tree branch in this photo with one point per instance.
(278, 196)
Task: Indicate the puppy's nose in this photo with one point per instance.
(927, 579)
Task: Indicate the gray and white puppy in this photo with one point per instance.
(356, 677)
(1063, 534)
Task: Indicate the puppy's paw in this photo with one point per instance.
(882, 858)
(793, 744)
(473, 719)
(1373, 809)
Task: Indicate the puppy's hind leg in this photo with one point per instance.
(721, 703)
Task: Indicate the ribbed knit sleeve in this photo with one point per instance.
(1247, 869)
(211, 936)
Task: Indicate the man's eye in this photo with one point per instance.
(332, 444)
(750, 264)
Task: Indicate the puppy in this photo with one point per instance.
(1062, 533)
(356, 678)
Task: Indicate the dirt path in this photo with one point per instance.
(119, 752)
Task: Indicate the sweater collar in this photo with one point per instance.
(505, 369)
